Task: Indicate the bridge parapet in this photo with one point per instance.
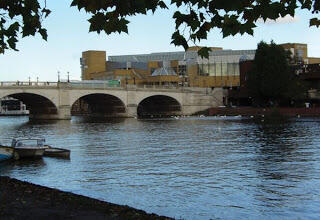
(27, 84)
(100, 85)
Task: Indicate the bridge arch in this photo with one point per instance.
(98, 104)
(159, 106)
(38, 104)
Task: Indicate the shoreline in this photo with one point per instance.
(275, 111)
(24, 200)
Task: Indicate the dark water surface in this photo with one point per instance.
(191, 168)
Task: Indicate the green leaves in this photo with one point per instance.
(108, 23)
(314, 22)
(110, 16)
(20, 17)
(179, 40)
(43, 33)
(204, 52)
(271, 78)
(194, 19)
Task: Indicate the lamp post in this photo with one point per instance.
(58, 76)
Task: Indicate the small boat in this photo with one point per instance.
(6, 152)
(28, 148)
(56, 152)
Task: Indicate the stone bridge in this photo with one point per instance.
(62, 99)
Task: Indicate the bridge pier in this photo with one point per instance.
(63, 113)
(132, 111)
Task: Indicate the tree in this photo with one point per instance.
(20, 17)
(194, 18)
(272, 80)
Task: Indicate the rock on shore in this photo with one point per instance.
(23, 200)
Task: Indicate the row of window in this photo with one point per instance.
(219, 69)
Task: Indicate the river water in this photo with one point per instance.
(190, 168)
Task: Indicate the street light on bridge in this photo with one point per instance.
(58, 76)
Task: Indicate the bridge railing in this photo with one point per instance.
(172, 87)
(97, 84)
(72, 84)
(27, 83)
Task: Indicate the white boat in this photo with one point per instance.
(28, 148)
(6, 152)
(12, 107)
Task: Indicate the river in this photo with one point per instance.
(190, 168)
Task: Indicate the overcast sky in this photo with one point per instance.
(68, 37)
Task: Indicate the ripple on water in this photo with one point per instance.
(191, 168)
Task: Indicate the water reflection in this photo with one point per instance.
(191, 168)
(86, 119)
(283, 164)
(26, 166)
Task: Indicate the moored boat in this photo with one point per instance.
(6, 152)
(56, 152)
(28, 148)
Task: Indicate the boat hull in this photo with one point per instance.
(6, 153)
(56, 152)
(28, 153)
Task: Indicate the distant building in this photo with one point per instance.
(167, 68)
(183, 68)
(300, 53)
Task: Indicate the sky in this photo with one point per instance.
(69, 36)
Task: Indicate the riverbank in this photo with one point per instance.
(23, 200)
(251, 111)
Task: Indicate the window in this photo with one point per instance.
(218, 69)
(224, 69)
(203, 69)
(182, 70)
(212, 69)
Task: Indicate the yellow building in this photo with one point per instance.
(221, 69)
(300, 53)
(186, 68)
(93, 64)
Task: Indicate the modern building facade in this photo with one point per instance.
(221, 69)
(183, 68)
